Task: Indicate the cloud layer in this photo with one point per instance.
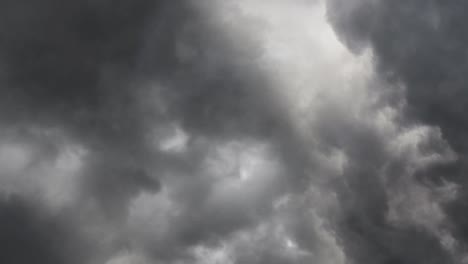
(230, 131)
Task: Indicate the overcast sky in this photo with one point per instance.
(233, 132)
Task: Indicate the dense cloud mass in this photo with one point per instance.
(421, 46)
(233, 132)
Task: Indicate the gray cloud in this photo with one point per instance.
(214, 132)
(419, 44)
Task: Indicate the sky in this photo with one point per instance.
(233, 132)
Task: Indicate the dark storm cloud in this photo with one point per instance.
(67, 66)
(84, 82)
(421, 44)
(209, 81)
(21, 233)
(29, 236)
(198, 132)
(378, 179)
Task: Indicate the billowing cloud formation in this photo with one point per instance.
(217, 132)
(419, 45)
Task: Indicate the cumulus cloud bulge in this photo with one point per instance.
(233, 132)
